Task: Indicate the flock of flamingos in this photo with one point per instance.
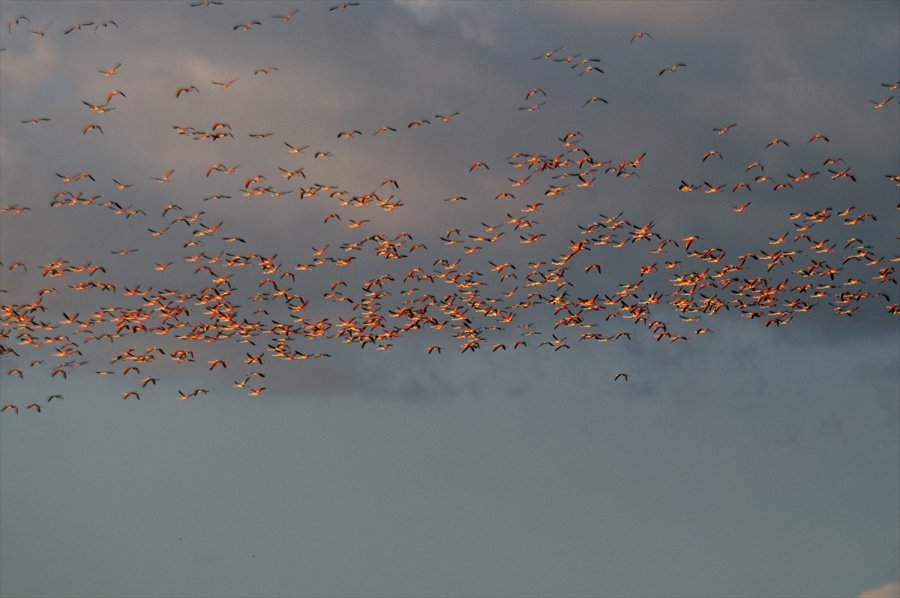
(232, 310)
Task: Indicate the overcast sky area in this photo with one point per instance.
(760, 459)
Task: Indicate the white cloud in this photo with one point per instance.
(475, 24)
(888, 590)
(684, 18)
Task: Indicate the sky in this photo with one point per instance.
(760, 459)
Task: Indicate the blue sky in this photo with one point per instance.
(754, 460)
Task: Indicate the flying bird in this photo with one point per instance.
(245, 26)
(187, 89)
(226, 84)
(77, 27)
(111, 71)
(41, 32)
(164, 178)
(287, 17)
(725, 129)
(593, 99)
(18, 20)
(99, 108)
(446, 118)
(548, 54)
(671, 69)
(639, 35)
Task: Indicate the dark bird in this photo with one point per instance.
(671, 69)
